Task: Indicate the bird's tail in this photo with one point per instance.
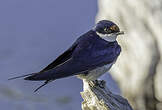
(45, 83)
(22, 76)
(32, 77)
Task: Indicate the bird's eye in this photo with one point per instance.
(114, 28)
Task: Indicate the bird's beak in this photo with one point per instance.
(120, 33)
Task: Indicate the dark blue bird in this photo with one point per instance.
(91, 55)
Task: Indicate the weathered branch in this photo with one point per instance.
(99, 97)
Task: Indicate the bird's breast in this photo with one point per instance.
(96, 73)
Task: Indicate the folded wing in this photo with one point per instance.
(84, 57)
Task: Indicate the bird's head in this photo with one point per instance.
(107, 30)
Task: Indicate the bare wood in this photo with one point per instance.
(99, 97)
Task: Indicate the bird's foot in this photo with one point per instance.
(100, 83)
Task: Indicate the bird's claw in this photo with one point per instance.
(100, 83)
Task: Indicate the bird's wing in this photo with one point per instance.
(62, 58)
(85, 57)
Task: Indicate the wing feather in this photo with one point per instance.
(61, 59)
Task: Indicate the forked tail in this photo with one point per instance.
(32, 77)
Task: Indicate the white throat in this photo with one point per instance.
(108, 37)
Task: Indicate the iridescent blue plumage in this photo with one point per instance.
(87, 53)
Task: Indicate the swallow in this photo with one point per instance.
(89, 57)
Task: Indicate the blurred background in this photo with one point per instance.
(34, 32)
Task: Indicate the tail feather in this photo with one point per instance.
(45, 83)
(37, 77)
(22, 76)
(32, 77)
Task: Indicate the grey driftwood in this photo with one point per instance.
(99, 97)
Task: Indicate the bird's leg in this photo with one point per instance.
(100, 83)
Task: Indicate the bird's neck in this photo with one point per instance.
(107, 37)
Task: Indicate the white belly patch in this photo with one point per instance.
(96, 73)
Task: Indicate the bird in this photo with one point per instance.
(89, 57)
